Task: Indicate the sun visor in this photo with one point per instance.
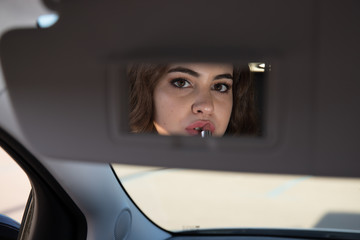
(69, 88)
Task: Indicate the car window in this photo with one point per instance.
(15, 188)
(180, 199)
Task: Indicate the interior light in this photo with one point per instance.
(45, 21)
(257, 67)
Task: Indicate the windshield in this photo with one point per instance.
(180, 199)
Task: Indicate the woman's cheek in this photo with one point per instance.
(223, 110)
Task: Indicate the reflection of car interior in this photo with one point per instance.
(63, 119)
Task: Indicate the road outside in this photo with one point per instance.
(14, 187)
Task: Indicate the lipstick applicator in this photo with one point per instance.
(205, 133)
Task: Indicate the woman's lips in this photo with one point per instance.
(196, 127)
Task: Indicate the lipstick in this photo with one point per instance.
(195, 128)
(204, 131)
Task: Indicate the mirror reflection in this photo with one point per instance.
(195, 99)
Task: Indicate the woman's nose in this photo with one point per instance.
(203, 104)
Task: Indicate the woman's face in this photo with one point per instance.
(194, 96)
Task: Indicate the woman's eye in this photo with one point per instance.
(180, 83)
(221, 87)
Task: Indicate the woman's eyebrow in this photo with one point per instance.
(226, 75)
(184, 70)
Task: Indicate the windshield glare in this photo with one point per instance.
(179, 199)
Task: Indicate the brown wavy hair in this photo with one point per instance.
(144, 77)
